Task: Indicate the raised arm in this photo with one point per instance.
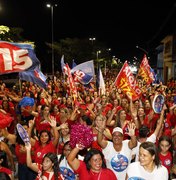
(71, 158)
(55, 131)
(101, 141)
(10, 137)
(160, 121)
(6, 148)
(131, 132)
(110, 121)
(29, 162)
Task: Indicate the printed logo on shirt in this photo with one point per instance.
(167, 162)
(39, 154)
(119, 162)
(67, 173)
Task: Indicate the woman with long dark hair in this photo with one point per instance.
(48, 169)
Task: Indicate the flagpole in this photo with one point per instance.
(105, 69)
(19, 82)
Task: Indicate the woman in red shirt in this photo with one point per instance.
(165, 152)
(48, 169)
(92, 168)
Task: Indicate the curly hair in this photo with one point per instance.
(90, 154)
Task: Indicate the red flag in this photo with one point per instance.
(126, 81)
(71, 82)
(145, 71)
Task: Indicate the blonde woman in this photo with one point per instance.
(99, 122)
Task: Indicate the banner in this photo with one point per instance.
(16, 57)
(35, 76)
(84, 72)
(126, 81)
(145, 71)
(73, 89)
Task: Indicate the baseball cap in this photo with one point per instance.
(117, 129)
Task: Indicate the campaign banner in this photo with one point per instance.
(35, 76)
(145, 71)
(16, 57)
(126, 81)
(84, 72)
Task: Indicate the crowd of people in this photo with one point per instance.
(129, 139)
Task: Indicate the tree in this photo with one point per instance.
(80, 50)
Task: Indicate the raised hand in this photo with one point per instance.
(131, 129)
(52, 121)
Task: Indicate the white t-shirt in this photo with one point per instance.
(135, 151)
(66, 170)
(118, 161)
(136, 172)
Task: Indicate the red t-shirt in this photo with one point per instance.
(40, 151)
(46, 175)
(21, 156)
(166, 160)
(104, 174)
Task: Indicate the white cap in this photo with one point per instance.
(117, 129)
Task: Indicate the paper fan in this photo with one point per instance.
(158, 103)
(22, 132)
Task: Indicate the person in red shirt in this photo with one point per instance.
(49, 167)
(92, 168)
(165, 152)
(46, 142)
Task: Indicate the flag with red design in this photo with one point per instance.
(73, 89)
(16, 57)
(36, 76)
(145, 71)
(126, 81)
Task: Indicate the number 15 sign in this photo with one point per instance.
(16, 57)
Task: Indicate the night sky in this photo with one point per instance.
(121, 24)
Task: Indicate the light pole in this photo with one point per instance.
(92, 39)
(145, 51)
(52, 34)
(98, 52)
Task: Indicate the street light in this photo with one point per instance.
(145, 51)
(92, 39)
(52, 33)
(98, 52)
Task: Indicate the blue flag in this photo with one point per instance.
(73, 64)
(17, 57)
(155, 78)
(35, 76)
(84, 72)
(63, 65)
